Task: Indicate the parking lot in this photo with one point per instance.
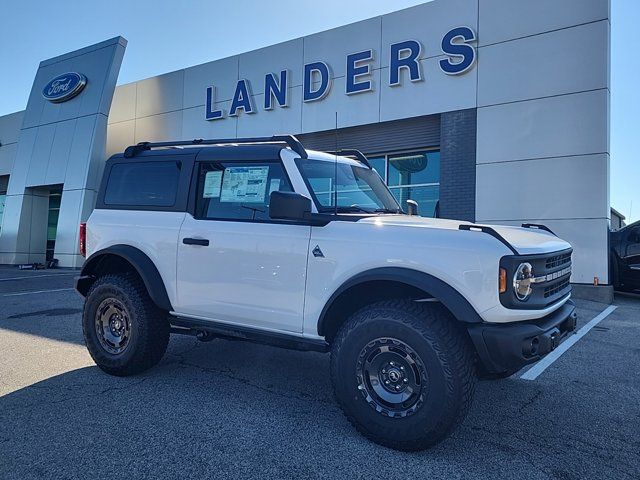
(236, 410)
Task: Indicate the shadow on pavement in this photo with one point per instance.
(237, 410)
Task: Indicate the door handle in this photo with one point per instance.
(196, 241)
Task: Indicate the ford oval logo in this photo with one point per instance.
(64, 87)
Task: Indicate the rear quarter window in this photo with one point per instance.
(144, 184)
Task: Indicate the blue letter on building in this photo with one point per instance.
(404, 55)
(242, 99)
(354, 70)
(461, 50)
(273, 90)
(311, 70)
(210, 113)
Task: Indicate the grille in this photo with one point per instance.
(558, 260)
(557, 288)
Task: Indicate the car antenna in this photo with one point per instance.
(335, 171)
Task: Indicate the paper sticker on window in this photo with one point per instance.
(244, 184)
(274, 185)
(212, 184)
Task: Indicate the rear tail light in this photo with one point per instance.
(83, 239)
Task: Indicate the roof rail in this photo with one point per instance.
(490, 231)
(290, 140)
(538, 226)
(352, 152)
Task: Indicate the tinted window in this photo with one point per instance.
(238, 191)
(150, 184)
(354, 187)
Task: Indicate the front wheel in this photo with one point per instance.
(403, 373)
(123, 329)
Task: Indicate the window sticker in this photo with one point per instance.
(244, 184)
(274, 185)
(212, 184)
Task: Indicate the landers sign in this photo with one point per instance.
(403, 61)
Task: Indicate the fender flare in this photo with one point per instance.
(144, 266)
(446, 294)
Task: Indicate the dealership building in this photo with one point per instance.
(489, 111)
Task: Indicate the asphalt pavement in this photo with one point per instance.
(238, 410)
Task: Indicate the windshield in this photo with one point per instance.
(354, 188)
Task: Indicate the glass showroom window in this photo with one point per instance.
(412, 175)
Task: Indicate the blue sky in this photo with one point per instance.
(166, 35)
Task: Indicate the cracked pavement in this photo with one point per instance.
(237, 410)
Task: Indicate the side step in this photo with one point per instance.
(205, 330)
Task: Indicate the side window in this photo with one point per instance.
(144, 184)
(238, 191)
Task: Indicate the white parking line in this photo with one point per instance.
(543, 364)
(37, 291)
(27, 277)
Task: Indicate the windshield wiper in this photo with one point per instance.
(387, 210)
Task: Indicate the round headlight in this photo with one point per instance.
(522, 281)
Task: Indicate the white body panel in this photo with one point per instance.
(467, 261)
(251, 274)
(154, 233)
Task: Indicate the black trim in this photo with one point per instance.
(448, 296)
(290, 140)
(237, 332)
(504, 347)
(536, 300)
(186, 160)
(139, 260)
(489, 231)
(538, 226)
(352, 152)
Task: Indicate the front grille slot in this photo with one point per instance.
(556, 288)
(559, 260)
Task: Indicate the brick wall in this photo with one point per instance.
(458, 165)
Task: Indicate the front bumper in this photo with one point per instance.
(510, 346)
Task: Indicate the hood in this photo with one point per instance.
(526, 241)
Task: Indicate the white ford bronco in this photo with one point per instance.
(259, 239)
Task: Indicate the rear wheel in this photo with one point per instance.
(403, 373)
(124, 331)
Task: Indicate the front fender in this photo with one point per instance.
(447, 295)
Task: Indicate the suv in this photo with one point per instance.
(625, 257)
(259, 239)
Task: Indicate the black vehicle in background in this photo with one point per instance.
(625, 257)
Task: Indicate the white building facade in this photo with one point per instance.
(491, 111)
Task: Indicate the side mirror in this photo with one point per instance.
(412, 207)
(289, 206)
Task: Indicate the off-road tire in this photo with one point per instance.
(149, 327)
(446, 354)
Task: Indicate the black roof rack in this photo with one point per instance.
(290, 140)
(490, 231)
(352, 152)
(538, 226)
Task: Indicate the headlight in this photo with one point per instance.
(522, 281)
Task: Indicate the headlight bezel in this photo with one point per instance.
(522, 281)
(536, 299)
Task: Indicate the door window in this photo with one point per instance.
(238, 191)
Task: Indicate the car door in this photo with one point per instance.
(235, 264)
(631, 256)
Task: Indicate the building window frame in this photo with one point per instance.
(386, 155)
